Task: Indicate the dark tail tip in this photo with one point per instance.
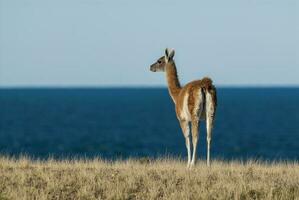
(207, 83)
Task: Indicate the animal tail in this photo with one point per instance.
(207, 85)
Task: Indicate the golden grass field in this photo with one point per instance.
(24, 178)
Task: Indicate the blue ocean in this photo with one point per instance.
(251, 123)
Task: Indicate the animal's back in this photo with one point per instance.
(192, 97)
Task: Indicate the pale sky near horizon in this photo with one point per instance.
(112, 43)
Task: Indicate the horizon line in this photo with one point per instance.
(133, 86)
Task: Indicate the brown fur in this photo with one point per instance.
(174, 85)
(178, 93)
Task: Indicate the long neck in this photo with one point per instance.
(174, 86)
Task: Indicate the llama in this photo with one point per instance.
(194, 102)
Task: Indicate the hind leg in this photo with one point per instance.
(186, 131)
(209, 138)
(210, 114)
(195, 131)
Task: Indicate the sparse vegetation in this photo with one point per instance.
(133, 179)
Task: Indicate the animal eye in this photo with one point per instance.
(159, 61)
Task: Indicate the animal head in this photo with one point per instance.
(160, 64)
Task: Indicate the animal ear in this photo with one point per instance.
(167, 53)
(171, 54)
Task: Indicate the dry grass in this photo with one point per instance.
(142, 179)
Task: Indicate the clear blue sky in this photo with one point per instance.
(113, 42)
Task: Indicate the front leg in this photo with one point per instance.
(186, 132)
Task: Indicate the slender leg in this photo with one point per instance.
(210, 114)
(209, 137)
(195, 131)
(186, 132)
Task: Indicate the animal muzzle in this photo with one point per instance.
(153, 68)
